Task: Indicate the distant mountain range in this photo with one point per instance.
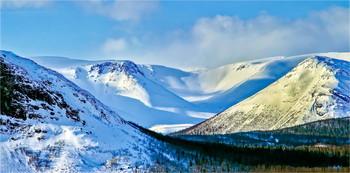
(167, 99)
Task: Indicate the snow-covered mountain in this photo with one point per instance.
(49, 124)
(123, 86)
(168, 98)
(318, 88)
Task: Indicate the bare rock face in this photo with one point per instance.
(18, 95)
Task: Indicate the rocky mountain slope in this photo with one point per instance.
(48, 124)
(316, 89)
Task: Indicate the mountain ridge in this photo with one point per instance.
(188, 97)
(278, 100)
(64, 128)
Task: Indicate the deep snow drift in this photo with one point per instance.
(316, 89)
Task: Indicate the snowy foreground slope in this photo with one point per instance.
(318, 88)
(167, 98)
(49, 124)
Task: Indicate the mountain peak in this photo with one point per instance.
(126, 66)
(316, 89)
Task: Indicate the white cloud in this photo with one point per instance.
(114, 46)
(225, 39)
(25, 3)
(121, 10)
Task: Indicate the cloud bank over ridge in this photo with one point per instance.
(221, 39)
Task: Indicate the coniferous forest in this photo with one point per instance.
(215, 156)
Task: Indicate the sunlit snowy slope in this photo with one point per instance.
(169, 98)
(49, 124)
(318, 88)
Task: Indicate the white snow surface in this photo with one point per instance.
(99, 141)
(316, 89)
(124, 87)
(153, 95)
(167, 129)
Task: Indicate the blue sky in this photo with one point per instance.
(174, 33)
